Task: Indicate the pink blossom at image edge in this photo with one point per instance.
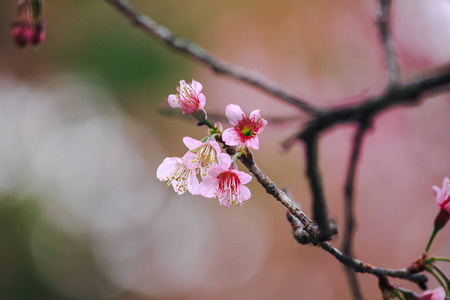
(442, 196)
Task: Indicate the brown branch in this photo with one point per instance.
(194, 51)
(361, 267)
(384, 27)
(320, 211)
(356, 265)
(408, 94)
(313, 230)
(307, 224)
(347, 242)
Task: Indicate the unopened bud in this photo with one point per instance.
(441, 219)
(21, 32)
(38, 33)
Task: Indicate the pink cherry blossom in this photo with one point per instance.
(177, 174)
(436, 294)
(442, 198)
(189, 97)
(227, 184)
(203, 155)
(246, 129)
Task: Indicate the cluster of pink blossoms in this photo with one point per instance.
(220, 177)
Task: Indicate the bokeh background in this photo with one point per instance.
(82, 215)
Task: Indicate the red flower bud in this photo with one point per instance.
(21, 32)
(38, 33)
(441, 219)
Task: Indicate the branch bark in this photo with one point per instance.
(219, 66)
(347, 243)
(384, 27)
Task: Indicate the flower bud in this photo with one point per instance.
(38, 33)
(21, 32)
(441, 219)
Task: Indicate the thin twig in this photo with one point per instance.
(384, 27)
(320, 211)
(355, 264)
(190, 48)
(408, 94)
(347, 242)
(361, 267)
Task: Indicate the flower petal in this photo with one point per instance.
(193, 184)
(188, 160)
(253, 142)
(245, 192)
(234, 114)
(191, 143)
(230, 137)
(207, 187)
(202, 100)
(173, 101)
(197, 86)
(166, 167)
(243, 177)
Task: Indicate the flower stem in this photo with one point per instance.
(431, 240)
(236, 156)
(431, 271)
(441, 259)
(447, 281)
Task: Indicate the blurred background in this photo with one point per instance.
(82, 215)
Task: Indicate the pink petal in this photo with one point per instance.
(215, 145)
(173, 101)
(207, 187)
(234, 114)
(445, 182)
(243, 177)
(226, 162)
(225, 201)
(253, 142)
(223, 159)
(217, 170)
(255, 115)
(230, 137)
(202, 101)
(193, 185)
(183, 84)
(166, 167)
(197, 86)
(245, 192)
(191, 143)
(187, 160)
(436, 190)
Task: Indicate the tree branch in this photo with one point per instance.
(194, 51)
(384, 27)
(320, 211)
(356, 265)
(347, 243)
(408, 94)
(361, 267)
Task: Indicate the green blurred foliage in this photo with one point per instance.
(18, 276)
